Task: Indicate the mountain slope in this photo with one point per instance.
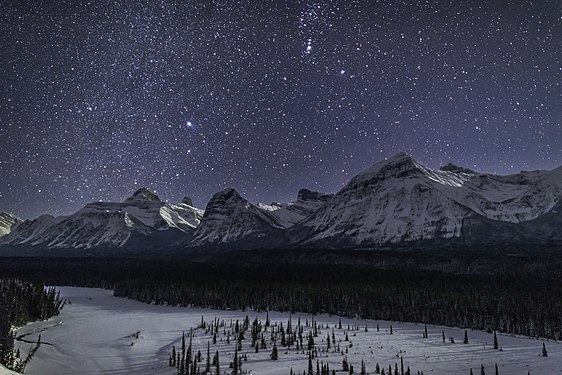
(288, 214)
(6, 222)
(107, 224)
(230, 219)
(399, 200)
(395, 201)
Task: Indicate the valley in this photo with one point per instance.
(97, 333)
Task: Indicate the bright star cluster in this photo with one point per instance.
(188, 97)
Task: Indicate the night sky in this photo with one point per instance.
(99, 98)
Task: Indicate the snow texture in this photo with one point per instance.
(399, 200)
(106, 224)
(6, 222)
(97, 334)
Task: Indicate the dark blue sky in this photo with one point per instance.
(99, 98)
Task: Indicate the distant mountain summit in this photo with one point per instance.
(397, 201)
(143, 194)
(229, 219)
(454, 168)
(107, 224)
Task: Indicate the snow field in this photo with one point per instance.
(100, 334)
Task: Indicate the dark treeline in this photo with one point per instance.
(22, 302)
(527, 303)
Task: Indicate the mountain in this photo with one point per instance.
(107, 224)
(230, 219)
(288, 214)
(6, 222)
(399, 200)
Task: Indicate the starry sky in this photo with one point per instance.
(100, 97)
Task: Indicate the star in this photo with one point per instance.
(318, 90)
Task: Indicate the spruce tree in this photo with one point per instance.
(235, 361)
(344, 364)
(217, 363)
(274, 353)
(182, 362)
(208, 362)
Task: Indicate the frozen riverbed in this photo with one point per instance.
(100, 334)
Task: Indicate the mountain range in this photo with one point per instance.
(395, 202)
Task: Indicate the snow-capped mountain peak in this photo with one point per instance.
(393, 201)
(229, 218)
(143, 194)
(107, 224)
(450, 167)
(308, 195)
(399, 200)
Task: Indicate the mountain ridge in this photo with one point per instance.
(394, 201)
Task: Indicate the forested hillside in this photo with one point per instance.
(528, 302)
(22, 302)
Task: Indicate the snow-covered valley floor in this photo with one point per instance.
(100, 334)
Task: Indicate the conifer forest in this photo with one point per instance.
(22, 302)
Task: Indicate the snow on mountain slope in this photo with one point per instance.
(106, 224)
(400, 200)
(30, 231)
(288, 214)
(159, 215)
(229, 218)
(6, 222)
(514, 198)
(92, 227)
(393, 201)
